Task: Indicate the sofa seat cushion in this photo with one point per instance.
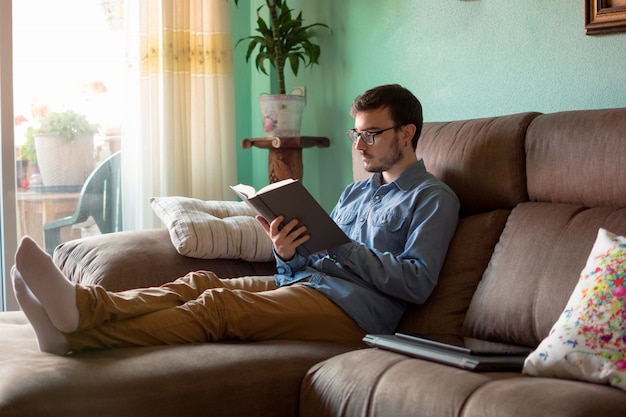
(376, 383)
(530, 397)
(373, 382)
(234, 379)
(140, 258)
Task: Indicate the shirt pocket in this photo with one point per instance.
(387, 231)
(346, 218)
(347, 221)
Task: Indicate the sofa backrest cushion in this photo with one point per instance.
(576, 185)
(482, 160)
(578, 157)
(468, 256)
(534, 269)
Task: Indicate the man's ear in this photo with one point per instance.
(408, 131)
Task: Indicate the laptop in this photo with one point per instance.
(462, 352)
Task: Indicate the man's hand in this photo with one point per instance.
(285, 239)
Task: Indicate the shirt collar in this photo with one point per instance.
(406, 181)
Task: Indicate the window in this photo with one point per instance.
(169, 68)
(68, 64)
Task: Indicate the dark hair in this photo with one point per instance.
(403, 106)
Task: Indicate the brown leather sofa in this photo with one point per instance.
(534, 190)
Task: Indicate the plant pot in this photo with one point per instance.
(64, 164)
(282, 114)
(113, 137)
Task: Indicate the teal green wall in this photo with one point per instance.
(463, 59)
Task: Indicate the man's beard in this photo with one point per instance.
(389, 160)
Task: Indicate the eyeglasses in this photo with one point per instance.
(367, 137)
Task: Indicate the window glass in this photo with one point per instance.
(68, 61)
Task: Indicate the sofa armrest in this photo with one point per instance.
(140, 258)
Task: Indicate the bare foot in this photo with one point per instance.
(47, 283)
(49, 338)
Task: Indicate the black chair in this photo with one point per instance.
(100, 198)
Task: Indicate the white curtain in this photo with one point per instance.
(179, 132)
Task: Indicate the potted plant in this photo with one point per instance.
(26, 160)
(284, 39)
(64, 148)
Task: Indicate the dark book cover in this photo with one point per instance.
(292, 200)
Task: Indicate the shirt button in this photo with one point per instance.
(361, 219)
(377, 198)
(384, 221)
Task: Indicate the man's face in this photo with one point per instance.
(385, 152)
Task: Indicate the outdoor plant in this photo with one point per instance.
(284, 39)
(68, 124)
(28, 152)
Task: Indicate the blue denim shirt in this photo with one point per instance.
(400, 234)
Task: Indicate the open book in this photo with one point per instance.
(290, 199)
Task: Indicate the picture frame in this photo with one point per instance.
(605, 16)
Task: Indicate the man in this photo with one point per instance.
(401, 221)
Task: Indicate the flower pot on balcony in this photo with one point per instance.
(62, 163)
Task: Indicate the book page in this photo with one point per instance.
(246, 190)
(250, 192)
(275, 185)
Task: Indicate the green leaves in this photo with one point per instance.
(284, 39)
(69, 125)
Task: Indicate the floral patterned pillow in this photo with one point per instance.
(588, 341)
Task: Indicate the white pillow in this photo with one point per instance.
(213, 229)
(588, 341)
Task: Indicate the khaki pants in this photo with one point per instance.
(200, 307)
